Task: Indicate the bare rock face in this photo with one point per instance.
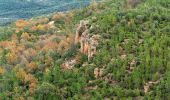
(80, 29)
(149, 84)
(69, 64)
(93, 46)
(51, 24)
(98, 72)
(88, 43)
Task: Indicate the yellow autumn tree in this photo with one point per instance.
(12, 58)
(2, 70)
(40, 27)
(21, 74)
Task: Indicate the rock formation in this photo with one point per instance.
(93, 46)
(150, 84)
(98, 72)
(82, 27)
(68, 64)
(88, 43)
(51, 24)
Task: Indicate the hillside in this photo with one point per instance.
(112, 50)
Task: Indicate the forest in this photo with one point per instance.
(109, 50)
(11, 10)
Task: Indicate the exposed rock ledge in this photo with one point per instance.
(88, 43)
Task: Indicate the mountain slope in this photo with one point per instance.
(108, 50)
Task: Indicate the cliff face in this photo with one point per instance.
(88, 44)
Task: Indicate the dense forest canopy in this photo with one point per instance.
(113, 50)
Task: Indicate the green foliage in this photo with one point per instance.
(5, 32)
(134, 51)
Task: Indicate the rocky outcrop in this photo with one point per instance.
(51, 24)
(68, 64)
(98, 72)
(88, 43)
(82, 27)
(150, 84)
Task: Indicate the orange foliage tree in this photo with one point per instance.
(32, 65)
(40, 27)
(20, 24)
(12, 58)
(25, 36)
